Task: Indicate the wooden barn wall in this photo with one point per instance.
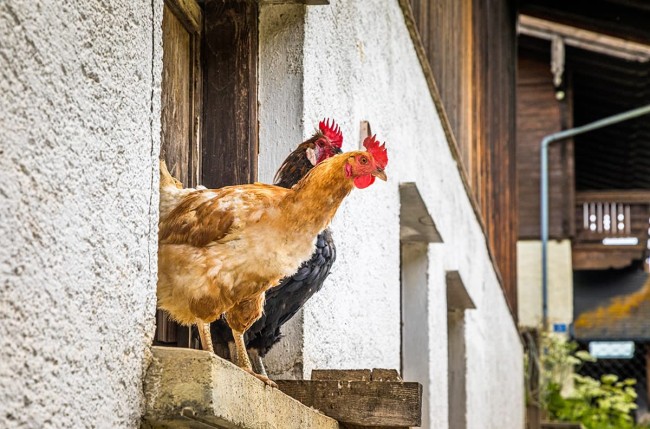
(471, 47)
(539, 114)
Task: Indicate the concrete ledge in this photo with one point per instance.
(187, 388)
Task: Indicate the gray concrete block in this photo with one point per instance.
(195, 389)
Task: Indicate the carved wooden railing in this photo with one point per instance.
(612, 228)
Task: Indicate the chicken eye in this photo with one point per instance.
(320, 143)
(363, 160)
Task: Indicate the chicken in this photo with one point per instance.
(284, 300)
(218, 248)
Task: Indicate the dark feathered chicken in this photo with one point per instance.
(284, 300)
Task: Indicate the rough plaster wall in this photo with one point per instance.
(529, 282)
(78, 203)
(360, 64)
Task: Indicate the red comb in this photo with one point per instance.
(379, 153)
(331, 131)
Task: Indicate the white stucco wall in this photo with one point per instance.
(529, 282)
(359, 64)
(79, 207)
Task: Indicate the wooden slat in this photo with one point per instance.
(602, 259)
(230, 129)
(584, 39)
(176, 96)
(341, 374)
(634, 196)
(630, 23)
(362, 403)
(380, 374)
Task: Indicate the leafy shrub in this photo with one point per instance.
(566, 396)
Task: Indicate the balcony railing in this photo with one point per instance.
(612, 228)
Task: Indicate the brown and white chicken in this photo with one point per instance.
(221, 249)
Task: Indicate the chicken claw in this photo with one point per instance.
(261, 377)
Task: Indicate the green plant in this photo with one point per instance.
(566, 396)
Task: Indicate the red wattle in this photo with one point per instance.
(364, 181)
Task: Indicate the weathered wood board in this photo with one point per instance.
(360, 398)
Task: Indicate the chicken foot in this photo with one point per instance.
(254, 357)
(241, 358)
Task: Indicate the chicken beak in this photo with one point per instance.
(337, 150)
(379, 173)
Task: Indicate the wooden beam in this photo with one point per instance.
(377, 374)
(584, 39)
(634, 196)
(603, 259)
(341, 374)
(360, 403)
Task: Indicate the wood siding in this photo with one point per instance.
(181, 92)
(540, 114)
(471, 48)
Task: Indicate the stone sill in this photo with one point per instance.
(187, 388)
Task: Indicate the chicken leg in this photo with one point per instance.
(240, 318)
(206, 337)
(241, 359)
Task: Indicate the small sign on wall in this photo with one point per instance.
(560, 328)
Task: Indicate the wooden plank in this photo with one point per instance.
(363, 403)
(176, 96)
(230, 128)
(584, 39)
(364, 131)
(630, 23)
(341, 374)
(188, 12)
(634, 196)
(380, 374)
(602, 260)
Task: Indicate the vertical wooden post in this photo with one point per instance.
(230, 129)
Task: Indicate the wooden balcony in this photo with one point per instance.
(612, 228)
